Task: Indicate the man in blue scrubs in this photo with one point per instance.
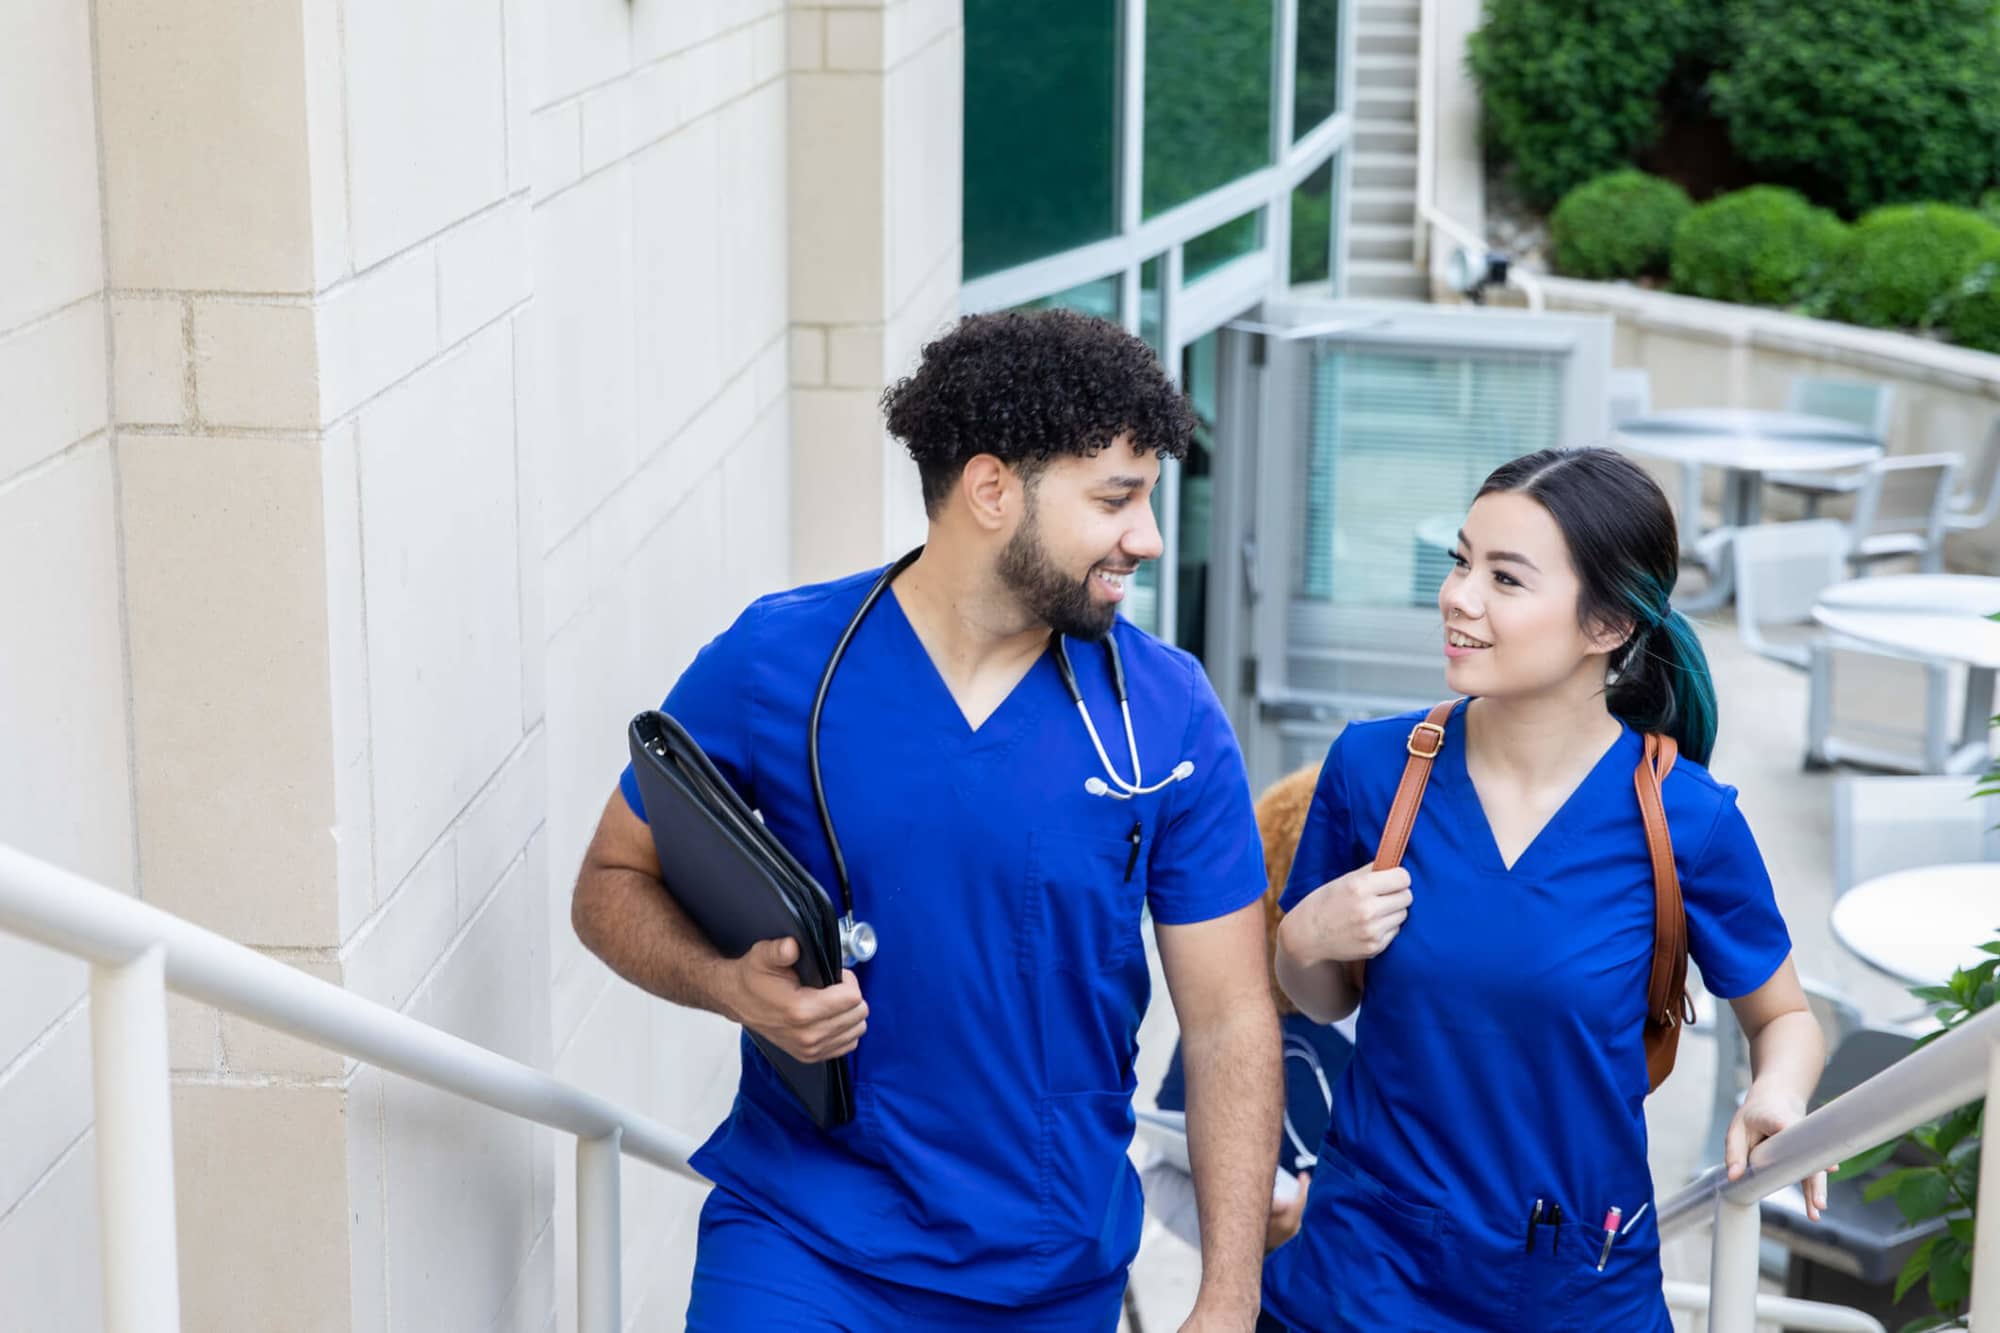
(983, 1181)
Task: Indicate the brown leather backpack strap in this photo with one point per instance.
(1425, 743)
(1666, 988)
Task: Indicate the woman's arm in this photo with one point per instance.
(1787, 1053)
(1353, 917)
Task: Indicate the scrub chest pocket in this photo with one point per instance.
(1080, 953)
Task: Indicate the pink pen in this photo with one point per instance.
(1610, 1234)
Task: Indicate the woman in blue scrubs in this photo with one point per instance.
(1500, 1072)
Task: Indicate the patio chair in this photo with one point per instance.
(1885, 824)
(1900, 510)
(1781, 569)
(1978, 505)
(1857, 402)
(1628, 393)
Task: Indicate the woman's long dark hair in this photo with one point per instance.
(1626, 552)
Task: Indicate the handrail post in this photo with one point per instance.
(135, 1144)
(1733, 1267)
(1985, 1248)
(598, 1259)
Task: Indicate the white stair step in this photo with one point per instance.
(1389, 11)
(1385, 171)
(1377, 240)
(1372, 72)
(1383, 278)
(1384, 207)
(1385, 137)
(1381, 103)
(1386, 40)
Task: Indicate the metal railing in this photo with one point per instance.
(138, 953)
(1955, 1069)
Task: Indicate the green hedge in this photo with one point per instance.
(1903, 262)
(1617, 226)
(1765, 246)
(1971, 315)
(1867, 102)
(1572, 88)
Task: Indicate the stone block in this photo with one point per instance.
(226, 606)
(657, 99)
(374, 330)
(441, 565)
(255, 364)
(528, 506)
(854, 356)
(194, 1036)
(754, 242)
(260, 1176)
(52, 380)
(665, 29)
(805, 39)
(808, 355)
(677, 277)
(496, 830)
(757, 508)
(149, 340)
(836, 178)
(770, 373)
(837, 482)
(557, 138)
(45, 1104)
(347, 676)
(770, 50)
(607, 125)
(50, 1246)
(483, 270)
(924, 128)
(204, 112)
(582, 45)
(427, 121)
(51, 241)
(250, 1048)
(584, 319)
(368, 1201)
(326, 141)
(397, 947)
(854, 39)
(63, 794)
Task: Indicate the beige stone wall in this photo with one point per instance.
(397, 399)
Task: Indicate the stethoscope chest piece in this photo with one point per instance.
(857, 941)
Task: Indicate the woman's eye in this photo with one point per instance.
(1460, 561)
(1506, 580)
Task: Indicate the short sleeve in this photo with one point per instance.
(712, 701)
(1208, 861)
(1735, 934)
(1326, 843)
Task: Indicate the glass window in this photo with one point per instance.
(1098, 297)
(1200, 365)
(1142, 592)
(1316, 75)
(1312, 226)
(1212, 249)
(1041, 115)
(1152, 316)
(1208, 96)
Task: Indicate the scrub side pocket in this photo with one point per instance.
(1079, 955)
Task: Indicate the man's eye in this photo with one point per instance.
(1116, 502)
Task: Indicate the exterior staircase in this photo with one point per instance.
(1382, 219)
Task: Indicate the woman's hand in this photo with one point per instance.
(1763, 1114)
(1350, 918)
(1286, 1217)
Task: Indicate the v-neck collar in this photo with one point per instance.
(1002, 723)
(1553, 830)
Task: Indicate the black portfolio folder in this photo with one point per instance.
(739, 885)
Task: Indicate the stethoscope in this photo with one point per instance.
(1298, 1048)
(857, 938)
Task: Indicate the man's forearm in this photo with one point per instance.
(1235, 1104)
(630, 921)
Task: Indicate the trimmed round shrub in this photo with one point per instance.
(1617, 226)
(1765, 246)
(1971, 315)
(1867, 102)
(1902, 262)
(1573, 88)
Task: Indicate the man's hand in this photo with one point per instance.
(1205, 1320)
(1286, 1217)
(1353, 917)
(808, 1023)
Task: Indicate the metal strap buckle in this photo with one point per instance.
(1437, 745)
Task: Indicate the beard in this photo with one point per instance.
(1057, 599)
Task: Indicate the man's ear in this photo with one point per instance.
(991, 492)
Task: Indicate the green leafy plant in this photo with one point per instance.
(1765, 245)
(1572, 89)
(1945, 1181)
(1903, 264)
(1867, 102)
(1617, 226)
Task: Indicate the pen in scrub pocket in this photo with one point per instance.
(1534, 1220)
(1610, 1234)
(1633, 1220)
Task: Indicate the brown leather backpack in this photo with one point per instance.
(1667, 1003)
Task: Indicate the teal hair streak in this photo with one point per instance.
(1668, 641)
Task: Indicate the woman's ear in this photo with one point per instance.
(1610, 636)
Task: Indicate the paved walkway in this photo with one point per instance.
(1760, 748)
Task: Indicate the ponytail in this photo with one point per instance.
(1663, 684)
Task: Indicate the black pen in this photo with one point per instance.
(1534, 1220)
(1556, 1221)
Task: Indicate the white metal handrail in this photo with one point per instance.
(1943, 1076)
(139, 952)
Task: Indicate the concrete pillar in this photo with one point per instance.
(876, 186)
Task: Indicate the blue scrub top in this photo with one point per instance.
(1315, 1054)
(994, 1085)
(1499, 1056)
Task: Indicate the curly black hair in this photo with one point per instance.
(1027, 386)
